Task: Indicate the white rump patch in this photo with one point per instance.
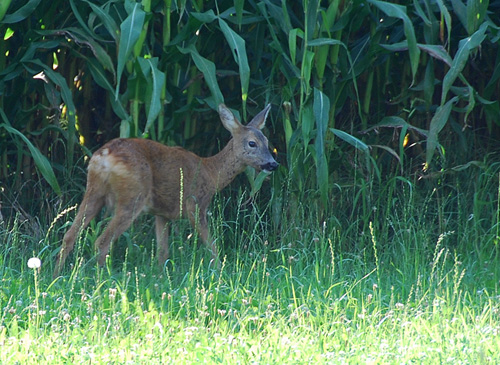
(105, 164)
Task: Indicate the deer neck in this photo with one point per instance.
(224, 166)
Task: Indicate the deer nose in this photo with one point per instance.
(270, 166)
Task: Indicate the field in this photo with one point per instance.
(404, 274)
(376, 241)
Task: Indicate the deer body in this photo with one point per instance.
(138, 175)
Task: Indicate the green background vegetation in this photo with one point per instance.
(376, 241)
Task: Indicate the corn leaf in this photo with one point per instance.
(238, 49)
(107, 20)
(207, 68)
(437, 124)
(130, 31)
(399, 11)
(307, 124)
(353, 141)
(20, 14)
(41, 162)
(321, 108)
(67, 97)
(155, 79)
(461, 57)
(445, 14)
(238, 7)
(476, 11)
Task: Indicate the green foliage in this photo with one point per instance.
(41, 161)
(399, 11)
(79, 73)
(375, 241)
(365, 93)
(419, 283)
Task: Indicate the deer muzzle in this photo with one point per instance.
(270, 166)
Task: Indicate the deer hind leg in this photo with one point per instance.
(125, 213)
(91, 205)
(162, 233)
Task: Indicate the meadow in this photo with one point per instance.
(413, 278)
(375, 242)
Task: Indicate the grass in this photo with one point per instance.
(413, 278)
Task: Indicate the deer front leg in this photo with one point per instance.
(199, 222)
(162, 233)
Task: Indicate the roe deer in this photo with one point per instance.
(136, 175)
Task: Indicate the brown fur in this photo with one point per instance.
(136, 175)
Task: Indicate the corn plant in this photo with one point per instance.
(76, 73)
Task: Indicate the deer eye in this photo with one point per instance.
(252, 144)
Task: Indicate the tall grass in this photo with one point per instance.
(418, 283)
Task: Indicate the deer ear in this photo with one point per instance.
(228, 120)
(259, 121)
